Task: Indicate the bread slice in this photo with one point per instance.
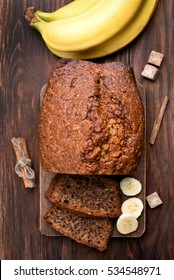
(97, 196)
(88, 231)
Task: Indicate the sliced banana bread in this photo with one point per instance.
(93, 232)
(97, 196)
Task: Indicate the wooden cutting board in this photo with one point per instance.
(45, 179)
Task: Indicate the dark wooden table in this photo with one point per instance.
(25, 66)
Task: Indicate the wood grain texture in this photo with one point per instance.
(25, 66)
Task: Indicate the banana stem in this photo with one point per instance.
(33, 19)
(29, 15)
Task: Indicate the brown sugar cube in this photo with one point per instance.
(153, 200)
(155, 58)
(150, 72)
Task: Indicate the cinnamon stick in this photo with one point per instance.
(158, 119)
(23, 164)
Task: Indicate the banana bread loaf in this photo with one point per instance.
(91, 120)
(97, 196)
(93, 232)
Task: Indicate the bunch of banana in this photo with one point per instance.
(94, 28)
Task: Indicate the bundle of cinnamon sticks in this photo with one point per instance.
(23, 165)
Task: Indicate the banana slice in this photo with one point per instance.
(130, 186)
(127, 223)
(132, 205)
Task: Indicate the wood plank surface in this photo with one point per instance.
(25, 66)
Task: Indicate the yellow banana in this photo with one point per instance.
(90, 28)
(70, 10)
(120, 40)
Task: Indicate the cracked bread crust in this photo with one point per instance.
(91, 120)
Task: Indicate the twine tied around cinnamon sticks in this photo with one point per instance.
(23, 165)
